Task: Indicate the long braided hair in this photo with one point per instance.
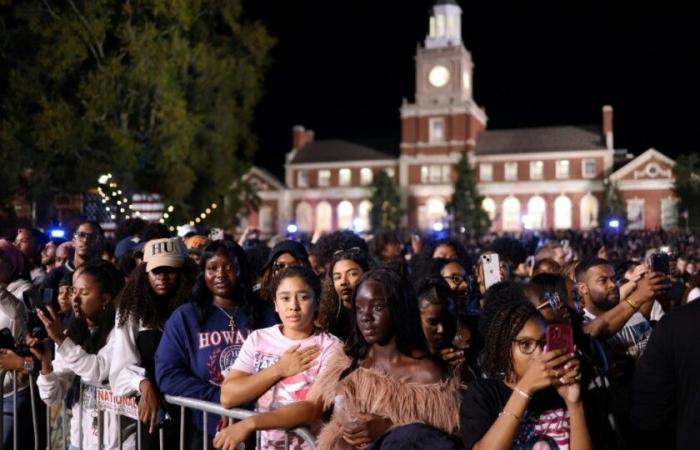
(505, 324)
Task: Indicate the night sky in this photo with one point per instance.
(342, 68)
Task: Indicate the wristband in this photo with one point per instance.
(522, 393)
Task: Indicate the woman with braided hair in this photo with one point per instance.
(532, 395)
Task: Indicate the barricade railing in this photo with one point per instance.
(126, 406)
(15, 418)
(105, 401)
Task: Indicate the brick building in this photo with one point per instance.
(531, 178)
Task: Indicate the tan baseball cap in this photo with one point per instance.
(168, 252)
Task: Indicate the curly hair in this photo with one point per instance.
(138, 302)
(331, 306)
(302, 272)
(202, 297)
(506, 322)
(403, 312)
(328, 244)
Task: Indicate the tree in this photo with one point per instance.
(613, 206)
(686, 186)
(386, 212)
(158, 92)
(465, 206)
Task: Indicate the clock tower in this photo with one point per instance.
(444, 118)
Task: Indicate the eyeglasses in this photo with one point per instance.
(348, 251)
(83, 236)
(528, 346)
(551, 299)
(456, 278)
(276, 267)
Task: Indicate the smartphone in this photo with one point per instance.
(560, 336)
(491, 268)
(659, 263)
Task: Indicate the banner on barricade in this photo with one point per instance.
(125, 406)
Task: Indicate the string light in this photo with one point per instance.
(196, 219)
(114, 201)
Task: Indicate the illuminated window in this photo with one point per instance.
(303, 216)
(446, 173)
(562, 170)
(589, 212)
(345, 215)
(485, 172)
(324, 216)
(562, 213)
(324, 178)
(511, 214)
(511, 171)
(669, 213)
(435, 174)
(437, 129)
(536, 210)
(489, 206)
(536, 170)
(365, 176)
(344, 177)
(302, 178)
(424, 174)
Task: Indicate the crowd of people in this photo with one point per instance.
(567, 340)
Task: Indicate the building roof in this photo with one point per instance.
(336, 150)
(539, 139)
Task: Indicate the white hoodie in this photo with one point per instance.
(72, 360)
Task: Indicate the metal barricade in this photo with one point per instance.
(126, 406)
(109, 403)
(213, 408)
(15, 419)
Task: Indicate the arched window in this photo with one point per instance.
(345, 215)
(363, 216)
(536, 212)
(489, 206)
(436, 210)
(562, 212)
(303, 215)
(589, 212)
(324, 216)
(511, 214)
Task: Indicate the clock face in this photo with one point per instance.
(439, 76)
(467, 80)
